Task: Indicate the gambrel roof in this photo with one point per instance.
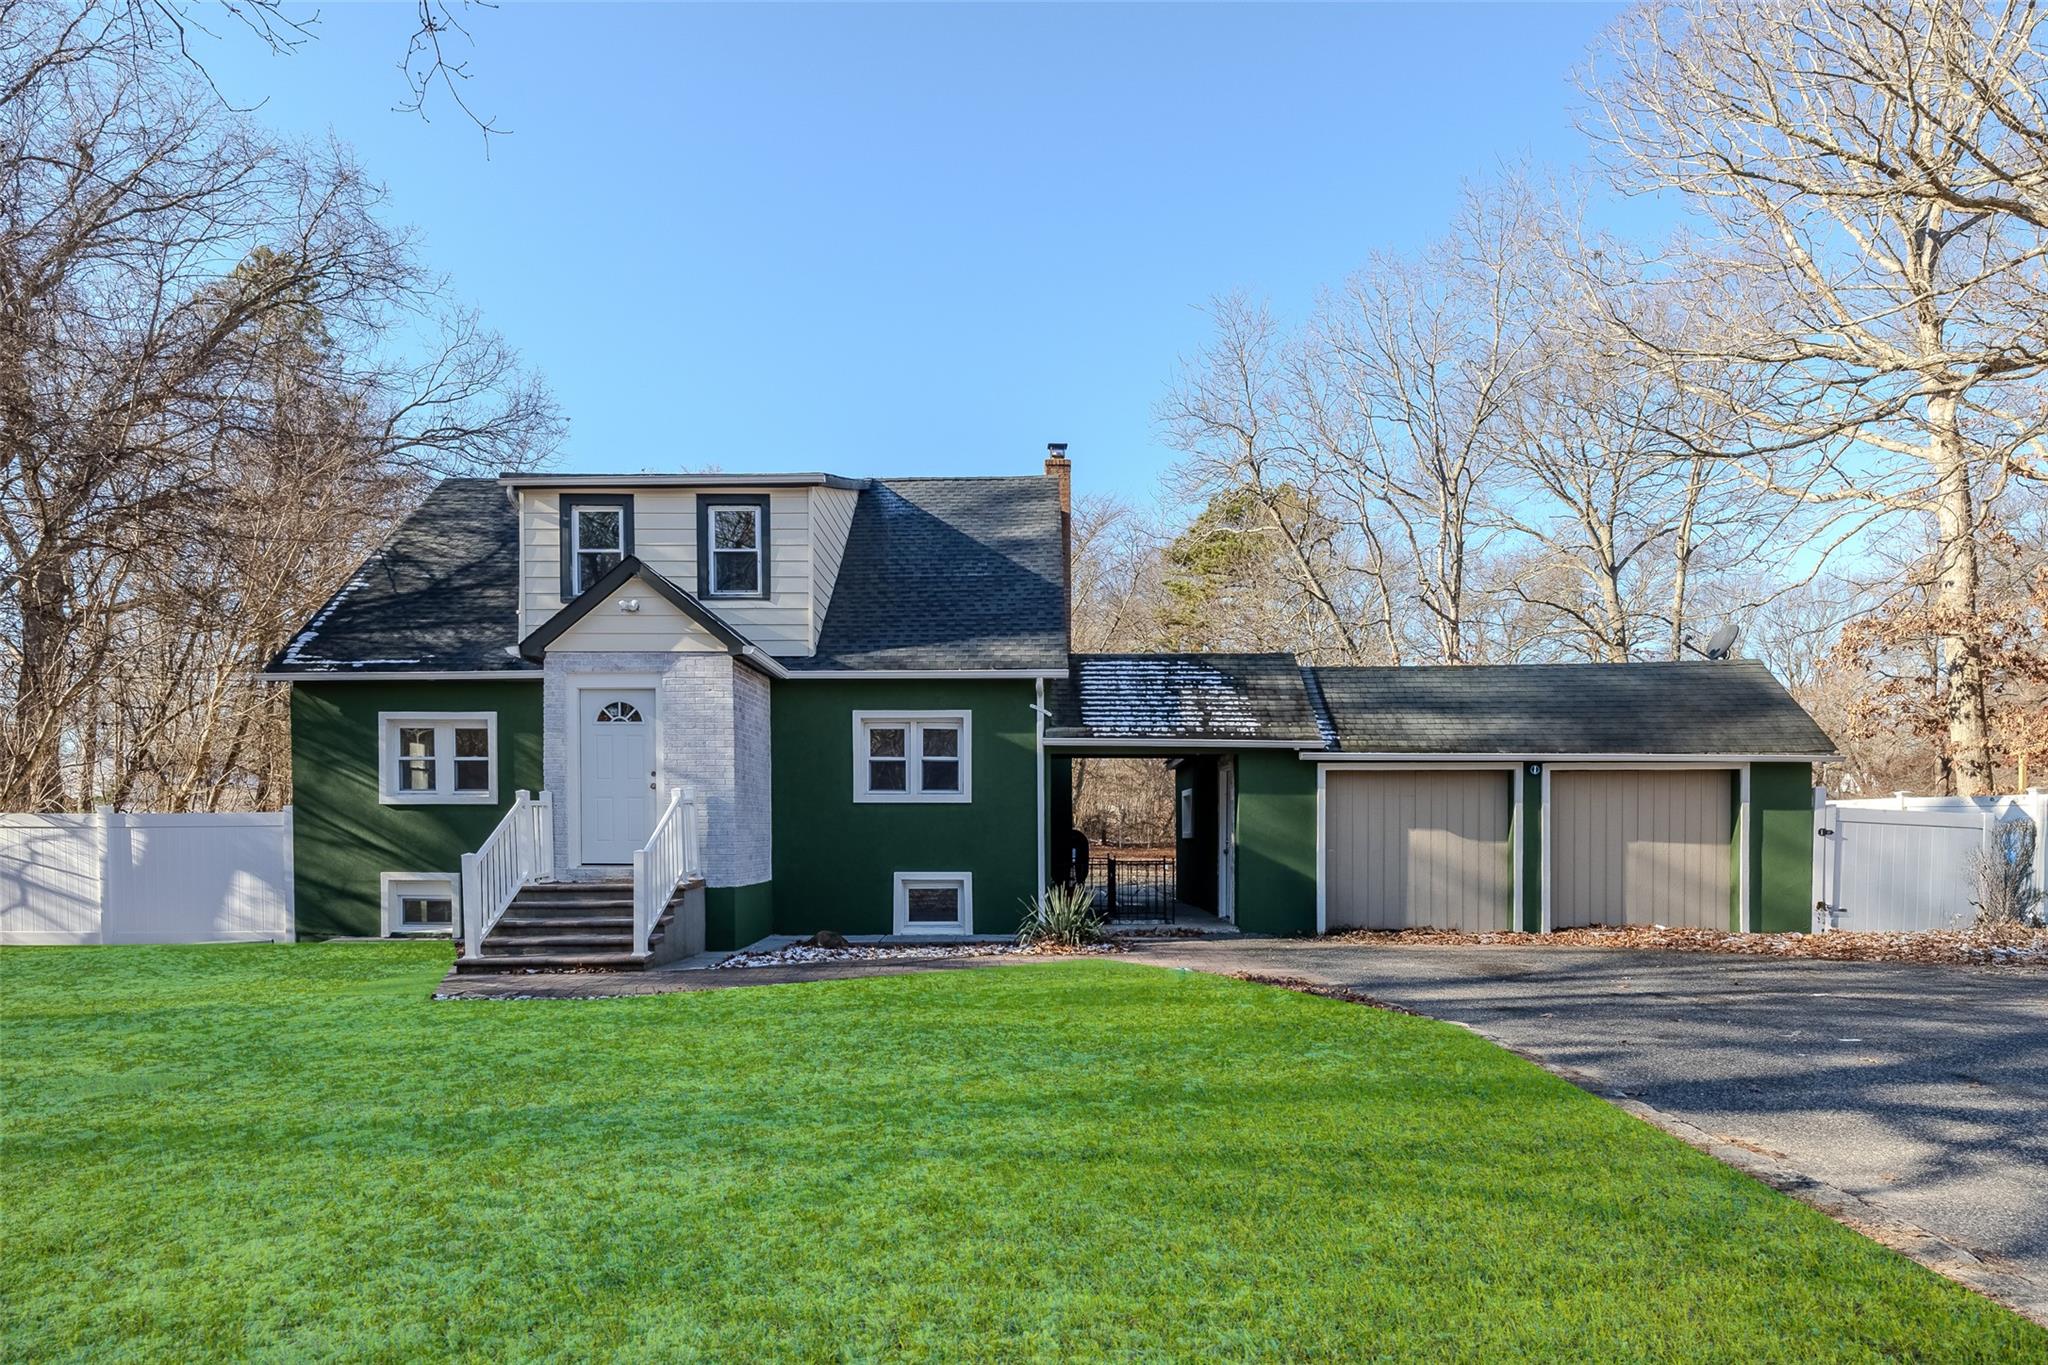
(938, 574)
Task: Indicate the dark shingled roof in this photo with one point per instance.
(440, 595)
(1731, 707)
(1181, 697)
(949, 574)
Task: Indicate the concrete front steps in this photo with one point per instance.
(567, 926)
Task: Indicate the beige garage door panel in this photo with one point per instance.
(1641, 848)
(1418, 849)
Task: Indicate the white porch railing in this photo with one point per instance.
(666, 862)
(521, 849)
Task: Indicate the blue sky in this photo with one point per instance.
(917, 239)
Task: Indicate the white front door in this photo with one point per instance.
(615, 774)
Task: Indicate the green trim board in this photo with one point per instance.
(1532, 848)
(836, 858)
(343, 837)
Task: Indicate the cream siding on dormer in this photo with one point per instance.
(831, 521)
(665, 538)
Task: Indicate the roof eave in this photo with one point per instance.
(1514, 756)
(804, 480)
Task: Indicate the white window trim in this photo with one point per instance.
(712, 550)
(576, 540)
(906, 880)
(913, 761)
(392, 885)
(387, 757)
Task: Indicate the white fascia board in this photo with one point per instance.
(421, 675)
(1723, 760)
(811, 480)
(767, 663)
(924, 675)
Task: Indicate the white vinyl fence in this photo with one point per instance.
(1906, 862)
(114, 878)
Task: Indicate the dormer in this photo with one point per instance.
(761, 550)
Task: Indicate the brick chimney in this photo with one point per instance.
(1058, 466)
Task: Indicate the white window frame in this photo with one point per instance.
(395, 886)
(1187, 811)
(444, 723)
(618, 509)
(905, 881)
(712, 551)
(913, 754)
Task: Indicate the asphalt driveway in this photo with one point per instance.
(1922, 1090)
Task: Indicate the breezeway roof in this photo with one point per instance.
(1183, 698)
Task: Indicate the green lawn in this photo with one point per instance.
(291, 1152)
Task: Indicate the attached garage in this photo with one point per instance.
(1642, 847)
(1419, 849)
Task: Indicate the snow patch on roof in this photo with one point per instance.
(1164, 696)
(312, 630)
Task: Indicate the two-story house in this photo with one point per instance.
(845, 676)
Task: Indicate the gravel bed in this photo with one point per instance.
(803, 954)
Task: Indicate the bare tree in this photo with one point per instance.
(1414, 373)
(218, 369)
(1233, 413)
(1873, 175)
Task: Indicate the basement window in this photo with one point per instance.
(418, 902)
(934, 902)
(437, 758)
(921, 756)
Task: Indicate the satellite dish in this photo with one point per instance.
(1723, 642)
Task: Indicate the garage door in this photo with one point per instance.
(1641, 848)
(1418, 850)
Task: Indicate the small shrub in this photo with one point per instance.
(2006, 893)
(1064, 917)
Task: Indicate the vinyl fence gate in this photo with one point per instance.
(115, 878)
(1906, 863)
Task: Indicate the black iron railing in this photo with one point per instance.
(1132, 888)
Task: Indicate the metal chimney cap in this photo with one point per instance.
(1057, 449)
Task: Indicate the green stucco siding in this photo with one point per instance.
(1276, 842)
(836, 859)
(343, 837)
(1781, 849)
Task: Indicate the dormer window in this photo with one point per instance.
(597, 532)
(732, 545)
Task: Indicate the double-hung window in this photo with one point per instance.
(600, 534)
(733, 545)
(912, 756)
(735, 551)
(597, 532)
(437, 758)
